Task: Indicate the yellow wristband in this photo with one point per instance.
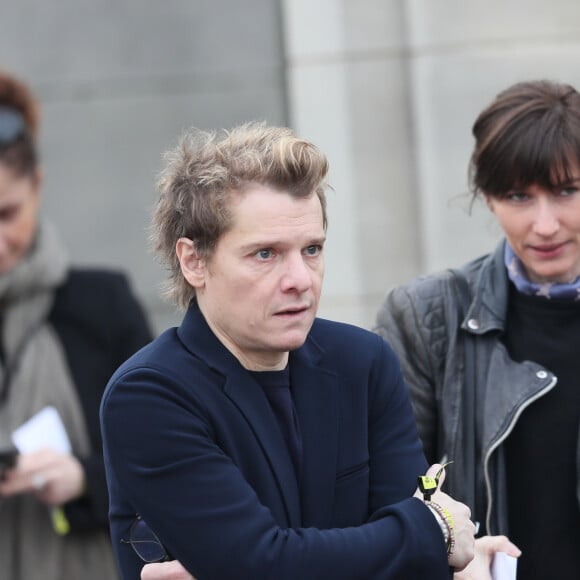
(447, 519)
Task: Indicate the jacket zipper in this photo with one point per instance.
(504, 436)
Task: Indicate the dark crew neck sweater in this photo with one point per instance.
(276, 386)
(541, 451)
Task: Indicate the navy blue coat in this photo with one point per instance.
(192, 445)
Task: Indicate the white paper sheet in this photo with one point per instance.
(45, 429)
(503, 567)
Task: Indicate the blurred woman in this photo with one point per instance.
(521, 324)
(63, 331)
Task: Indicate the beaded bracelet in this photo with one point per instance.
(447, 519)
(440, 522)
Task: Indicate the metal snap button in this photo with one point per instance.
(542, 374)
(473, 324)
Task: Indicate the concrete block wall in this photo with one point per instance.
(349, 91)
(388, 88)
(463, 54)
(119, 81)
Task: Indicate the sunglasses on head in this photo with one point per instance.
(145, 543)
(12, 125)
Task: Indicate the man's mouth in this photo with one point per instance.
(292, 311)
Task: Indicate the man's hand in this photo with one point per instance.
(165, 571)
(464, 532)
(463, 527)
(485, 549)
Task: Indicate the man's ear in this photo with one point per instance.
(193, 267)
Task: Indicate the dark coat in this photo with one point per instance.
(192, 445)
(100, 324)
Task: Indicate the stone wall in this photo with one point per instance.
(119, 81)
(388, 88)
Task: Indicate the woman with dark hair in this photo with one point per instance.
(489, 350)
(63, 331)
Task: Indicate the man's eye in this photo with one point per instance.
(313, 250)
(264, 254)
(8, 213)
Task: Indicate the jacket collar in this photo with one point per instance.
(315, 399)
(489, 281)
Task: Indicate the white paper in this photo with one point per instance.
(45, 429)
(503, 567)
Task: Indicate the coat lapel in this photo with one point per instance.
(252, 403)
(315, 392)
(316, 401)
(248, 396)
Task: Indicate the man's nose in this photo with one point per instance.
(297, 274)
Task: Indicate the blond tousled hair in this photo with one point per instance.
(206, 169)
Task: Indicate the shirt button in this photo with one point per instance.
(473, 324)
(542, 374)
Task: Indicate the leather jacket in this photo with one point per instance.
(422, 323)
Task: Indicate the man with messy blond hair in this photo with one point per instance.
(257, 441)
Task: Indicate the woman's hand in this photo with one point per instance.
(165, 571)
(485, 549)
(54, 478)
